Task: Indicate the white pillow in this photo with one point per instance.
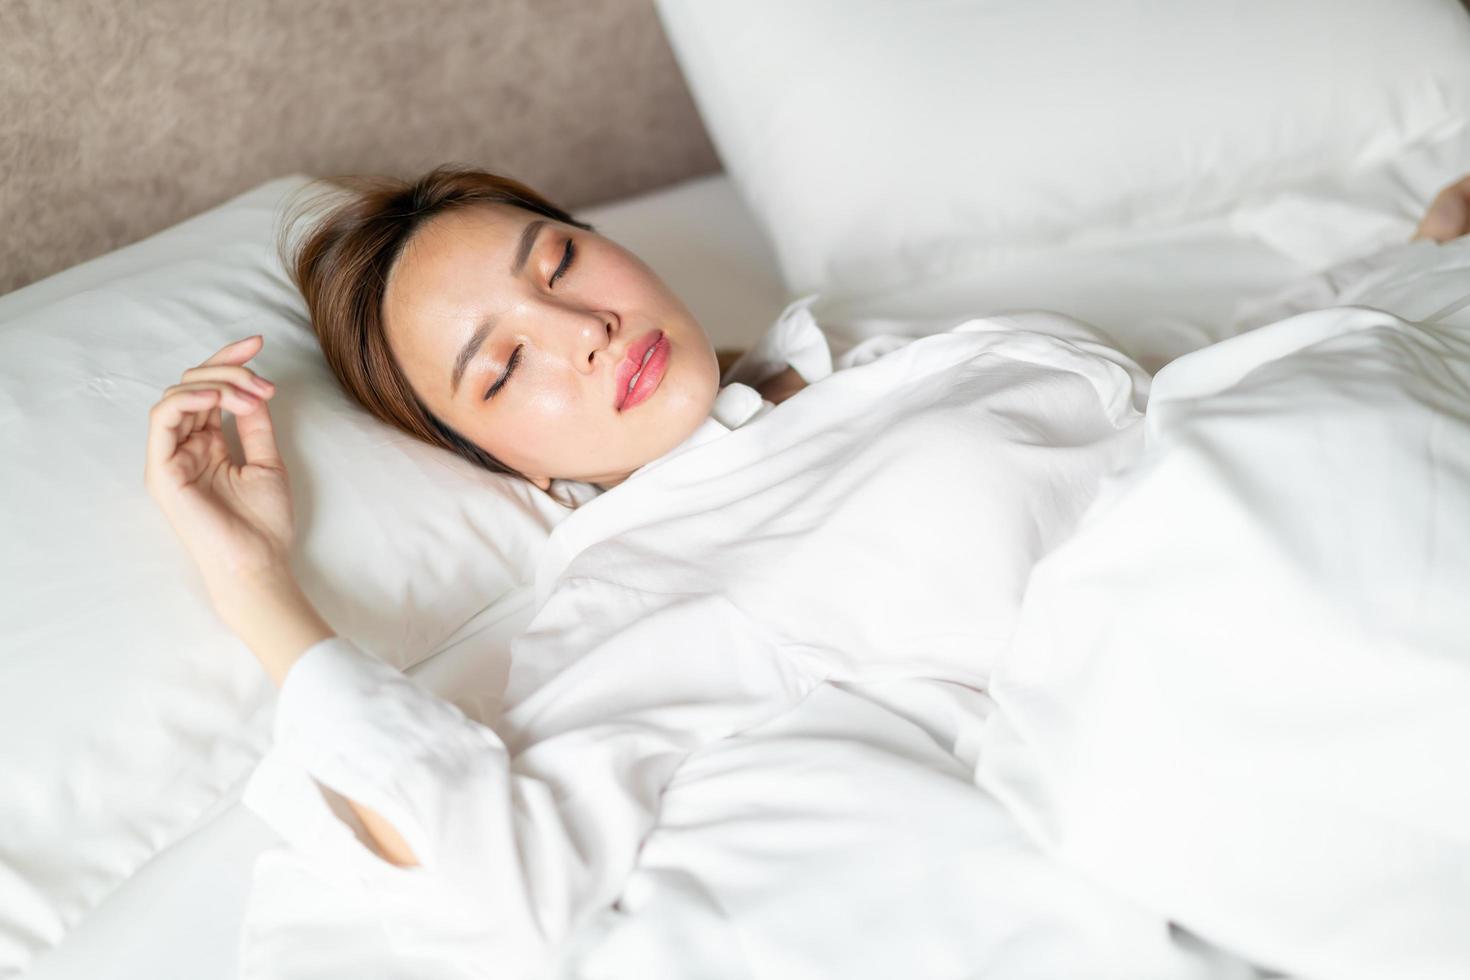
(127, 708)
(883, 142)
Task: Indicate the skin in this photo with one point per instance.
(1448, 216)
(556, 416)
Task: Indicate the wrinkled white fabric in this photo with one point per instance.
(1238, 694)
(877, 525)
(847, 839)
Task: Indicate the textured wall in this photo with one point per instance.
(122, 117)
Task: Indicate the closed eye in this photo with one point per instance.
(566, 261)
(515, 358)
(568, 254)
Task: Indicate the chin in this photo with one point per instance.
(692, 404)
(688, 407)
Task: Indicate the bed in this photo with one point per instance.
(848, 838)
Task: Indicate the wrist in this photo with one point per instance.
(274, 618)
(235, 596)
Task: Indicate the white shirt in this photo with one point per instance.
(879, 523)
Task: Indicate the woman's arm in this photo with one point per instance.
(518, 839)
(781, 386)
(271, 614)
(775, 389)
(235, 519)
(278, 623)
(790, 354)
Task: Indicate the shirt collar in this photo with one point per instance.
(736, 404)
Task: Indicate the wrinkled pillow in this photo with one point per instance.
(883, 143)
(127, 708)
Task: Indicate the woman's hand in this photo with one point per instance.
(1448, 215)
(234, 520)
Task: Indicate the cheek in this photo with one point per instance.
(549, 403)
(626, 281)
(550, 426)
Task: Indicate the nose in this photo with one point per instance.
(592, 340)
(577, 336)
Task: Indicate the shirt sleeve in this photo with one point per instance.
(794, 339)
(518, 838)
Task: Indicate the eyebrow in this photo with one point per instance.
(523, 250)
(482, 332)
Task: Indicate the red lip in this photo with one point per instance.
(649, 378)
(630, 364)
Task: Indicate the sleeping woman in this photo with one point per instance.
(737, 537)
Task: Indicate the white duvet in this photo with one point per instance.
(1240, 694)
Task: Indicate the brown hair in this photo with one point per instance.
(341, 267)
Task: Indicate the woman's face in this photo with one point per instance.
(484, 288)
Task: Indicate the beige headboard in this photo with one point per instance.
(122, 117)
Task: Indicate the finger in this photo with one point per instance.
(241, 377)
(232, 399)
(236, 399)
(1447, 217)
(258, 436)
(191, 423)
(252, 420)
(163, 424)
(238, 352)
(203, 420)
(195, 421)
